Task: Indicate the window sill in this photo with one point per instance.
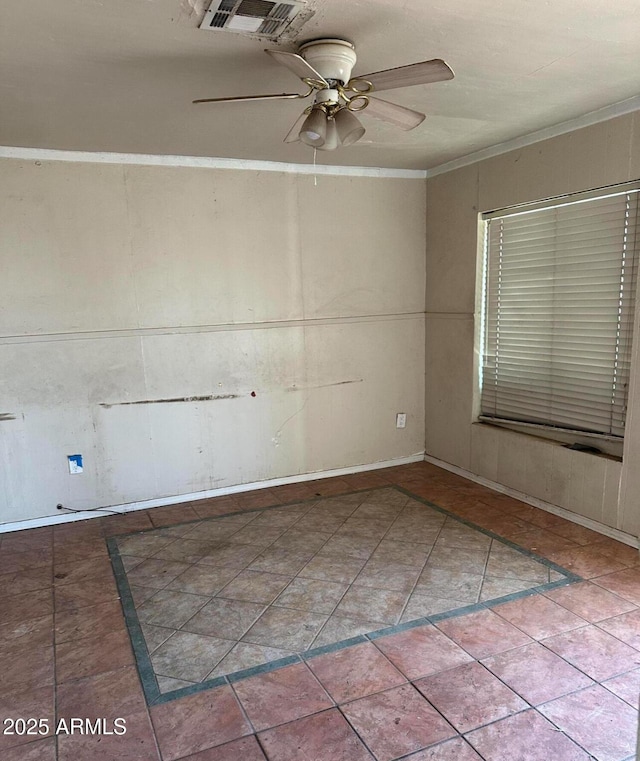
(610, 447)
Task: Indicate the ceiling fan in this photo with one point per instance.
(325, 66)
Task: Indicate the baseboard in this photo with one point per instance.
(581, 520)
(52, 520)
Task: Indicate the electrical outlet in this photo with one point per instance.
(401, 420)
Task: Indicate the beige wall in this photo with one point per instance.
(592, 486)
(129, 284)
(126, 284)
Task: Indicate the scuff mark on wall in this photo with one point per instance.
(209, 398)
(326, 385)
(6, 416)
(278, 434)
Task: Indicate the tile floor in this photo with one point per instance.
(554, 675)
(217, 596)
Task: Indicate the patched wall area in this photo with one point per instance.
(187, 329)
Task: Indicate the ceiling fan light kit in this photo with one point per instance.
(331, 139)
(325, 66)
(349, 128)
(314, 130)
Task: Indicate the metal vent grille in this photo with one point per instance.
(219, 19)
(256, 18)
(281, 11)
(270, 27)
(260, 8)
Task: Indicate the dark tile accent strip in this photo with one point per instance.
(527, 553)
(334, 646)
(143, 662)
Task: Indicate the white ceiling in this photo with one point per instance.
(119, 75)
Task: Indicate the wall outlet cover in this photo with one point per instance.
(401, 420)
(75, 463)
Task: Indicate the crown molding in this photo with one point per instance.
(593, 117)
(205, 162)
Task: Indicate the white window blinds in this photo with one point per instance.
(558, 312)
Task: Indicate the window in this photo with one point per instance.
(559, 293)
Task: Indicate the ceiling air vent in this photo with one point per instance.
(257, 18)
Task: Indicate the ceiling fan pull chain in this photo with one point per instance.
(315, 176)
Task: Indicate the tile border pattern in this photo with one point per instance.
(143, 662)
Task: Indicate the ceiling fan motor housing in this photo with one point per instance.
(329, 97)
(332, 58)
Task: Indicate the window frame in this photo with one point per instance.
(612, 442)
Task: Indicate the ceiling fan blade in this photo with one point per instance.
(399, 116)
(297, 65)
(281, 96)
(414, 74)
(293, 136)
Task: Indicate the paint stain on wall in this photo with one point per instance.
(175, 400)
(216, 397)
(326, 385)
